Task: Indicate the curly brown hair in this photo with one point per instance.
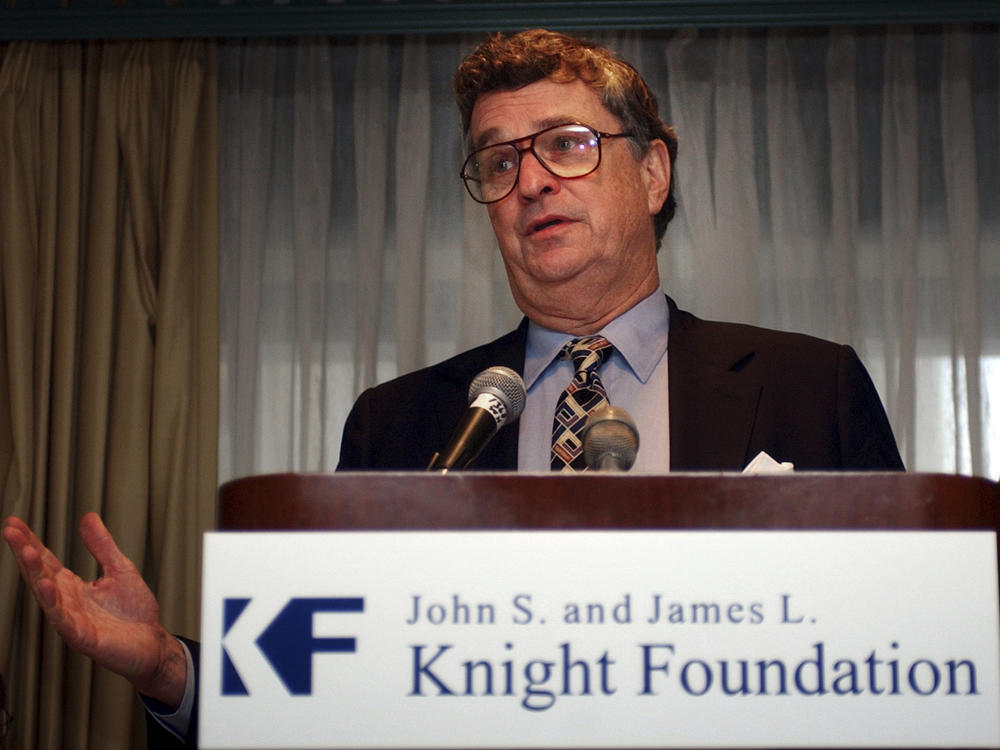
(506, 63)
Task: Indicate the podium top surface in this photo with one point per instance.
(511, 500)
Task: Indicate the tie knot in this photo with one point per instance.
(588, 352)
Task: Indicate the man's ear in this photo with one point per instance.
(655, 170)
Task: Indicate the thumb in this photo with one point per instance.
(99, 542)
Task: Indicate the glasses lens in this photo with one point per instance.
(565, 150)
(490, 172)
(569, 150)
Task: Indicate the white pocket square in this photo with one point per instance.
(764, 464)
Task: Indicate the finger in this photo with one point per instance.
(16, 531)
(98, 540)
(15, 522)
(17, 536)
(28, 548)
(37, 564)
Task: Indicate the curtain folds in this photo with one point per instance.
(109, 345)
(344, 242)
(840, 182)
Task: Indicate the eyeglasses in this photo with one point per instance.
(568, 150)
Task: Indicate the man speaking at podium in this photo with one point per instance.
(574, 166)
(569, 157)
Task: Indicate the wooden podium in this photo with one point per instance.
(509, 500)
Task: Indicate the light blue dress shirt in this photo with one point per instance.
(635, 378)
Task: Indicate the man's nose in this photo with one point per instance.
(534, 179)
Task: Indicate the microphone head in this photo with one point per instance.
(503, 383)
(610, 440)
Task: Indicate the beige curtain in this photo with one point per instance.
(108, 345)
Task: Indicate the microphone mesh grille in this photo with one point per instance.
(610, 439)
(503, 382)
(610, 434)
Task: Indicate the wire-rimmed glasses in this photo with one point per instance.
(568, 150)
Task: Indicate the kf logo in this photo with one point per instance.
(287, 642)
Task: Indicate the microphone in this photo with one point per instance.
(496, 398)
(610, 440)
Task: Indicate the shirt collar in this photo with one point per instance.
(639, 335)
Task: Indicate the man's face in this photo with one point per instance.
(577, 251)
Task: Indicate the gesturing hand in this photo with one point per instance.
(115, 620)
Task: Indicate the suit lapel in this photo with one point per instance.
(713, 403)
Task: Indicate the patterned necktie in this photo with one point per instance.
(584, 394)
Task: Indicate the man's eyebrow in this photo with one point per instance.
(491, 136)
(486, 138)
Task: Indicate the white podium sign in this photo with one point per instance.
(580, 639)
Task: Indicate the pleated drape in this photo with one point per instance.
(712, 97)
(347, 256)
(108, 344)
(960, 164)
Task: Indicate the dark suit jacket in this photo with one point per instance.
(734, 390)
